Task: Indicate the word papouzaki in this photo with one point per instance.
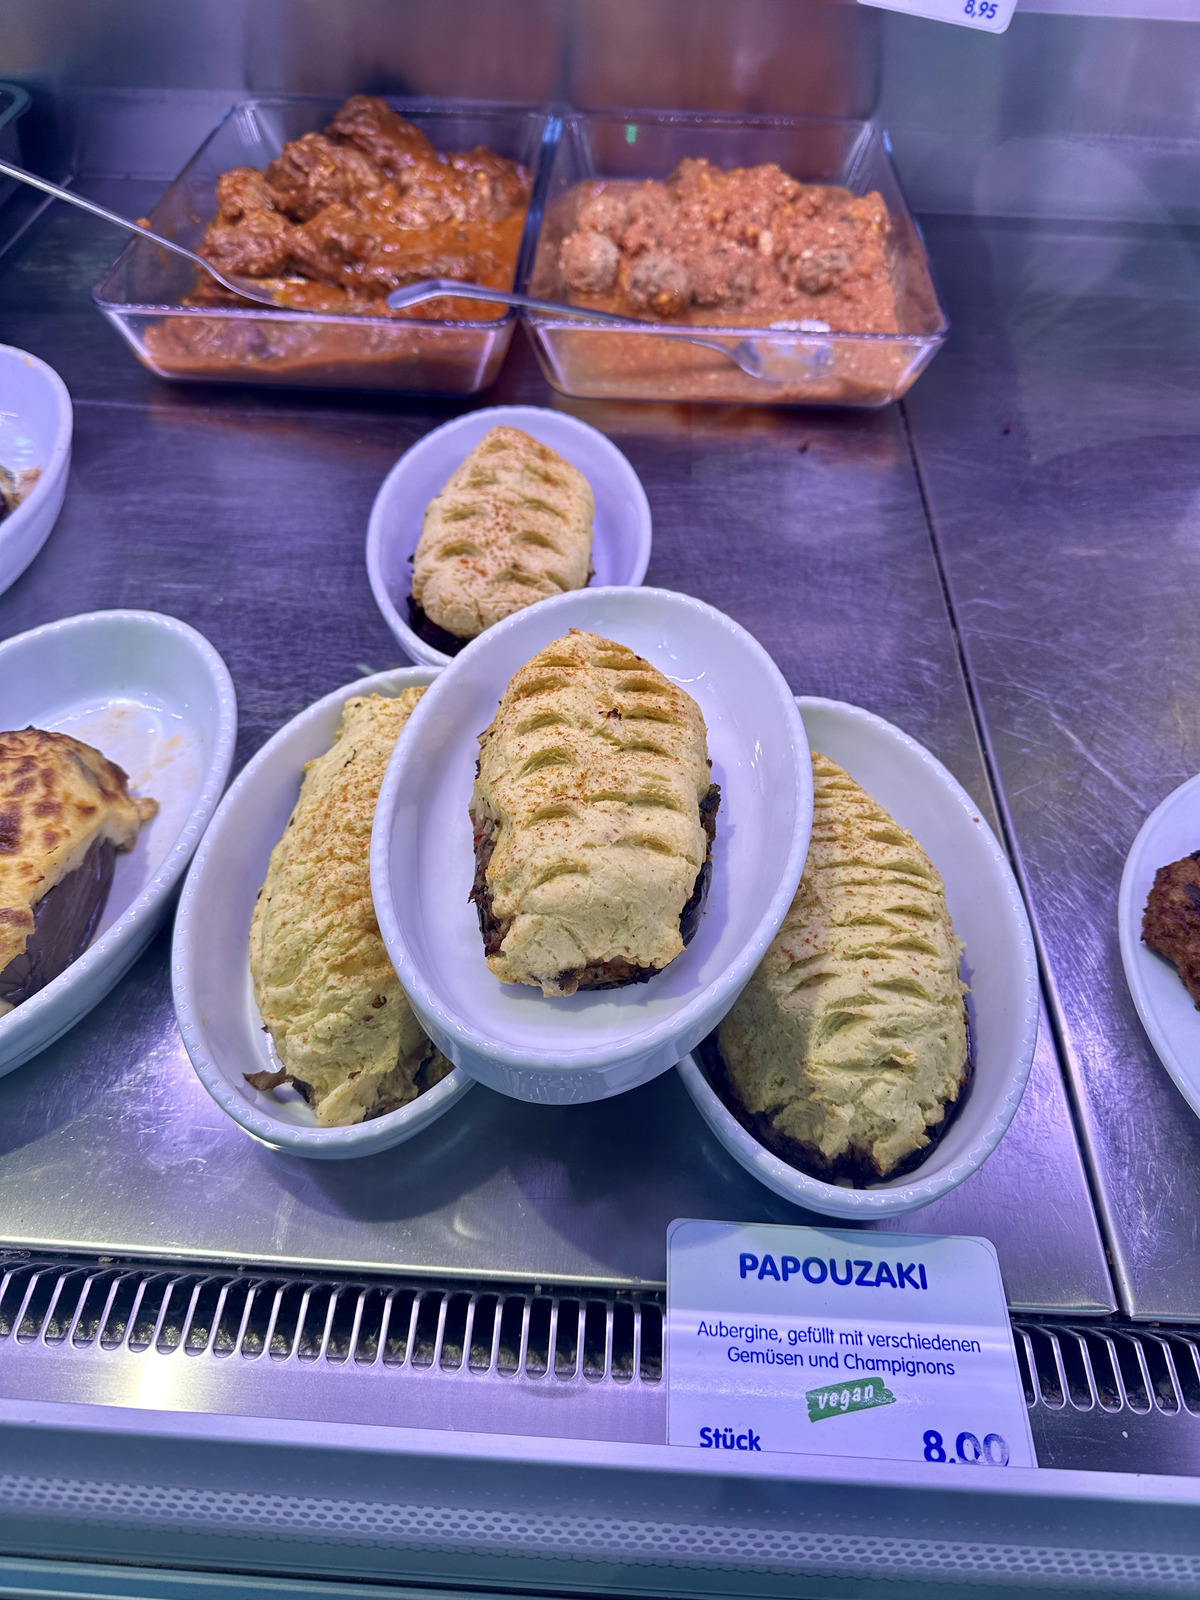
(846, 1273)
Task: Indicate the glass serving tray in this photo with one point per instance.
(660, 361)
(141, 293)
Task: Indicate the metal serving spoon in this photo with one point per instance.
(246, 287)
(775, 360)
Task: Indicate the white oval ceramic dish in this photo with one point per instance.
(1167, 1010)
(35, 431)
(621, 541)
(210, 963)
(998, 963)
(590, 1045)
(155, 697)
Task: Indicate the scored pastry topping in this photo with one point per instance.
(594, 815)
(342, 1028)
(65, 812)
(512, 526)
(849, 1044)
(1171, 923)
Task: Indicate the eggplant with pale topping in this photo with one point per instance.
(344, 1034)
(594, 814)
(848, 1052)
(512, 526)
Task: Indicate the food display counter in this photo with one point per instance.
(442, 1366)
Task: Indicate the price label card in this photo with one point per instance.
(828, 1342)
(993, 16)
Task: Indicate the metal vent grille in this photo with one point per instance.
(600, 1338)
(1109, 1367)
(486, 1357)
(491, 1330)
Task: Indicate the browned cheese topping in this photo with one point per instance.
(752, 246)
(343, 217)
(59, 799)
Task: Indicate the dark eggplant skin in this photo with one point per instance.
(448, 643)
(64, 923)
(850, 1169)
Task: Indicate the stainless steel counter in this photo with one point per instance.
(244, 512)
(1057, 440)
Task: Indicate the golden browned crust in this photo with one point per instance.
(58, 797)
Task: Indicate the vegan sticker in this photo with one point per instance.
(839, 1399)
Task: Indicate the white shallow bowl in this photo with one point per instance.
(210, 963)
(621, 531)
(998, 963)
(1167, 1010)
(590, 1045)
(35, 431)
(155, 697)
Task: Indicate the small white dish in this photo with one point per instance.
(621, 537)
(1167, 1010)
(155, 697)
(590, 1045)
(35, 431)
(998, 963)
(210, 962)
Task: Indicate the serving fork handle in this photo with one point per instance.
(414, 294)
(236, 285)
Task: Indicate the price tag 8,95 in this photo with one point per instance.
(820, 1341)
(993, 16)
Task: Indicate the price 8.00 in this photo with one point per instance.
(985, 10)
(992, 1451)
